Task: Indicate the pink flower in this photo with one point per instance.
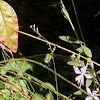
(93, 94)
(81, 74)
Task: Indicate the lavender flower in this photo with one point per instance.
(81, 74)
(93, 94)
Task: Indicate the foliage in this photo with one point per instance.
(17, 76)
(8, 26)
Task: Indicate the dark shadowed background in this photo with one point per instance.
(52, 24)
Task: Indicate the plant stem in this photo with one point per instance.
(15, 88)
(60, 47)
(78, 21)
(33, 61)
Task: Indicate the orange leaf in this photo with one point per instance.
(8, 26)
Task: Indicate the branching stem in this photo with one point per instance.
(60, 47)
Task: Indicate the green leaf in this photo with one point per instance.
(80, 50)
(3, 71)
(78, 92)
(38, 97)
(20, 83)
(18, 96)
(6, 93)
(23, 85)
(49, 96)
(2, 85)
(20, 66)
(98, 72)
(2, 98)
(76, 63)
(88, 83)
(48, 85)
(70, 39)
(87, 52)
(8, 26)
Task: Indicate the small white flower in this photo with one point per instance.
(93, 94)
(82, 74)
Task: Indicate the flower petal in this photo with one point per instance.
(76, 69)
(94, 92)
(82, 80)
(83, 69)
(88, 76)
(89, 91)
(78, 78)
(96, 98)
(88, 98)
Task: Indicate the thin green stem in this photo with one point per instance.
(56, 80)
(66, 15)
(40, 83)
(29, 60)
(60, 47)
(78, 21)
